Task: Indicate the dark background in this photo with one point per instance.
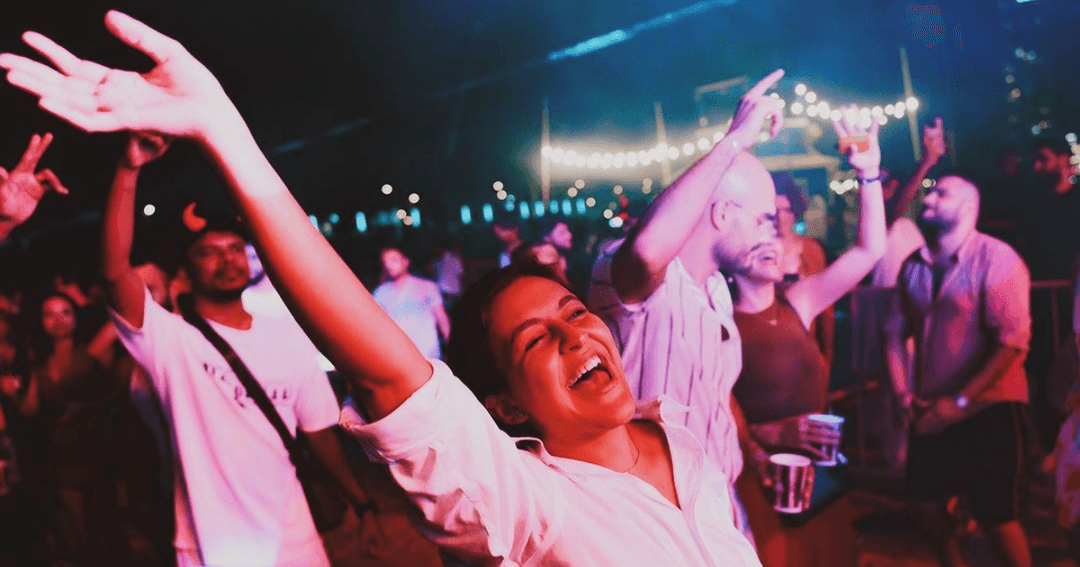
(443, 97)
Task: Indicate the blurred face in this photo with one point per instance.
(546, 254)
(944, 204)
(745, 215)
(254, 262)
(785, 216)
(561, 236)
(9, 384)
(58, 318)
(506, 234)
(217, 265)
(1049, 167)
(562, 365)
(763, 263)
(395, 263)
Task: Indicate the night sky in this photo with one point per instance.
(443, 97)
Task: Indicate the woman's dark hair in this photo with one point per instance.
(469, 352)
(786, 187)
(41, 344)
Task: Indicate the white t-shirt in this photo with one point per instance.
(488, 502)
(410, 303)
(238, 501)
(262, 297)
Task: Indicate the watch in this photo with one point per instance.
(962, 402)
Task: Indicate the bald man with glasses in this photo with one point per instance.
(662, 293)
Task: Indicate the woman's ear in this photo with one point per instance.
(503, 409)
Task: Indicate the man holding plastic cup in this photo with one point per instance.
(964, 297)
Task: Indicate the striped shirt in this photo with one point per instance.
(681, 342)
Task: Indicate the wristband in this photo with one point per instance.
(865, 180)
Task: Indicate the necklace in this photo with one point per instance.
(637, 456)
(773, 316)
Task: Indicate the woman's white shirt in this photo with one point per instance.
(488, 502)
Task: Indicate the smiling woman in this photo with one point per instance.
(542, 365)
(493, 355)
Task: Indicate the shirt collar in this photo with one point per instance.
(962, 251)
(716, 287)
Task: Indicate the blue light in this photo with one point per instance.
(524, 210)
(553, 206)
(538, 209)
(566, 207)
(590, 45)
(489, 214)
(509, 205)
(800, 228)
(314, 221)
(618, 36)
(580, 205)
(361, 222)
(415, 214)
(466, 215)
(334, 218)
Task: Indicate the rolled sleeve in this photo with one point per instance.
(480, 495)
(418, 423)
(603, 297)
(1008, 300)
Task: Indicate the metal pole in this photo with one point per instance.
(545, 157)
(913, 122)
(661, 135)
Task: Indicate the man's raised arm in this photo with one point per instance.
(124, 286)
(639, 265)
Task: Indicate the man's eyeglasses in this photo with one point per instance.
(766, 222)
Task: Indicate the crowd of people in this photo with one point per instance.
(560, 408)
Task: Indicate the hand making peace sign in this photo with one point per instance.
(21, 189)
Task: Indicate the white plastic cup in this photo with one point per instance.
(830, 450)
(793, 481)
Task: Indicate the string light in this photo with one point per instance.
(808, 103)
